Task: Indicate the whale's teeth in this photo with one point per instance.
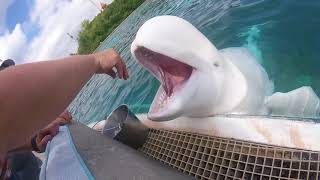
(161, 105)
(163, 99)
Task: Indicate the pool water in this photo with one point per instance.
(282, 34)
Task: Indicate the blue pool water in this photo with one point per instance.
(282, 34)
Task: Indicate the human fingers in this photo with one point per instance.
(62, 121)
(64, 118)
(122, 69)
(66, 115)
(126, 73)
(52, 129)
(112, 73)
(44, 141)
(41, 134)
(119, 68)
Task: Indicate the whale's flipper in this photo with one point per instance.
(302, 102)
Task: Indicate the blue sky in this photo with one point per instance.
(18, 12)
(35, 30)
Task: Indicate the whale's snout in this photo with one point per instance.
(177, 55)
(172, 75)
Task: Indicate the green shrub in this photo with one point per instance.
(94, 32)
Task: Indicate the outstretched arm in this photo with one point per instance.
(33, 94)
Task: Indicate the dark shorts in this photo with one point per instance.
(24, 166)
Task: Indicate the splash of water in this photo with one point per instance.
(252, 37)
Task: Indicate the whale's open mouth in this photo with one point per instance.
(172, 74)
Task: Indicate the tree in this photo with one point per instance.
(94, 32)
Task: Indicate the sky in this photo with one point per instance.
(37, 30)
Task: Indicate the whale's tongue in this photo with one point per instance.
(170, 72)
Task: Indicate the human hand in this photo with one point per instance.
(46, 134)
(109, 59)
(64, 118)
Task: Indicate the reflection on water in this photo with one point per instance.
(283, 35)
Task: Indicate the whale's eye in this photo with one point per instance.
(216, 64)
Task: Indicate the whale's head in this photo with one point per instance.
(188, 66)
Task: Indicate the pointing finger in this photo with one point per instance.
(119, 67)
(124, 71)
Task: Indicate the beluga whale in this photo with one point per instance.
(222, 93)
(197, 80)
